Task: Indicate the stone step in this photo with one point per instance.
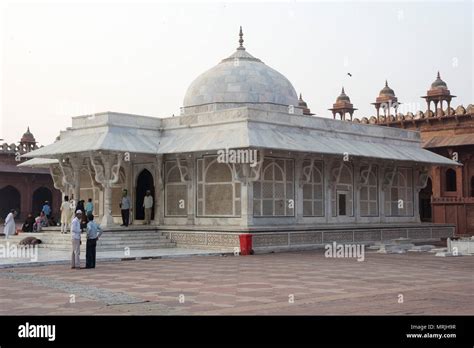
(102, 238)
(113, 248)
(109, 241)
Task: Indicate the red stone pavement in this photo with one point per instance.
(257, 284)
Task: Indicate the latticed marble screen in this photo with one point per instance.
(368, 199)
(399, 197)
(176, 193)
(218, 194)
(343, 188)
(274, 192)
(313, 191)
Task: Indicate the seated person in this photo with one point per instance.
(44, 220)
(28, 225)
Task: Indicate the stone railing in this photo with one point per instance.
(460, 111)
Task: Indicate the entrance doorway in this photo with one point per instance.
(144, 183)
(425, 202)
(341, 203)
(10, 198)
(41, 195)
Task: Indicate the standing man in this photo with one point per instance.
(93, 234)
(46, 209)
(148, 204)
(9, 228)
(125, 208)
(65, 214)
(76, 240)
(89, 207)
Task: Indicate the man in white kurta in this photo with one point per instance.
(76, 240)
(9, 228)
(148, 205)
(66, 214)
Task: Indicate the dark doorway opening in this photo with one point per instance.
(451, 180)
(342, 203)
(41, 195)
(10, 198)
(144, 183)
(425, 202)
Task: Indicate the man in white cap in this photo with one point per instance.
(76, 240)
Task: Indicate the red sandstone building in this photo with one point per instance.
(449, 194)
(21, 188)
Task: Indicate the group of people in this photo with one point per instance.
(69, 208)
(126, 207)
(78, 217)
(31, 224)
(93, 233)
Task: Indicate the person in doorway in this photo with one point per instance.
(93, 234)
(125, 208)
(28, 224)
(9, 229)
(89, 207)
(76, 240)
(46, 209)
(148, 205)
(66, 214)
(80, 205)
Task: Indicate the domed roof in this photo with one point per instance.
(241, 78)
(28, 137)
(438, 83)
(343, 97)
(386, 91)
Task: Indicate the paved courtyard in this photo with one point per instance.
(284, 283)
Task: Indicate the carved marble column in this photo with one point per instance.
(420, 183)
(303, 175)
(58, 182)
(186, 170)
(246, 175)
(159, 191)
(70, 168)
(107, 173)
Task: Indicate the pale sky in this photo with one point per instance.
(62, 59)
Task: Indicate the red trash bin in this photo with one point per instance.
(246, 244)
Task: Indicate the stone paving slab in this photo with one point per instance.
(246, 285)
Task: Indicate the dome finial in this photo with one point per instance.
(241, 40)
(342, 92)
(439, 76)
(301, 98)
(386, 83)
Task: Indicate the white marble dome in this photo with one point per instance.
(241, 78)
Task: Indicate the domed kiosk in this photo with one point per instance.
(247, 157)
